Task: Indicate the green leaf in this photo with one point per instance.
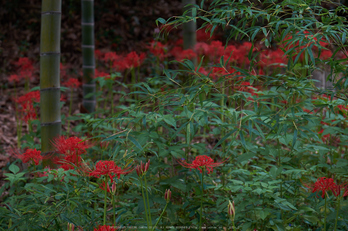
(169, 119)
(344, 37)
(160, 20)
(225, 137)
(246, 156)
(135, 142)
(242, 138)
(14, 168)
(294, 139)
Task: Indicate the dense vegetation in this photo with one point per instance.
(244, 140)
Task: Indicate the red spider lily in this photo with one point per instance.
(33, 96)
(120, 64)
(179, 42)
(337, 189)
(325, 54)
(245, 47)
(70, 146)
(72, 83)
(101, 74)
(202, 71)
(232, 55)
(24, 63)
(158, 49)
(98, 54)
(26, 67)
(201, 48)
(203, 34)
(247, 87)
(44, 173)
(324, 137)
(175, 51)
(63, 70)
(134, 60)
(323, 184)
(25, 103)
(105, 228)
(345, 192)
(102, 187)
(28, 112)
(31, 155)
(69, 161)
(274, 58)
(108, 168)
(142, 168)
(63, 98)
(216, 50)
(201, 162)
(185, 54)
(110, 57)
(343, 108)
(217, 72)
(14, 78)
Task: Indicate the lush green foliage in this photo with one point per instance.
(278, 138)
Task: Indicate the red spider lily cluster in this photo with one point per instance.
(64, 69)
(108, 168)
(201, 162)
(26, 105)
(120, 62)
(30, 155)
(101, 74)
(105, 228)
(26, 70)
(71, 150)
(325, 185)
(158, 49)
(72, 83)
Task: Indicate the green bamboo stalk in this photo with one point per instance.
(189, 31)
(189, 28)
(88, 61)
(49, 75)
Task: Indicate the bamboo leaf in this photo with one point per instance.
(135, 142)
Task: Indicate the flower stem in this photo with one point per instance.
(200, 219)
(113, 208)
(325, 215)
(147, 200)
(222, 102)
(133, 82)
(70, 108)
(19, 134)
(160, 217)
(105, 195)
(337, 209)
(145, 206)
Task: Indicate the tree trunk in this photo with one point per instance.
(88, 63)
(49, 74)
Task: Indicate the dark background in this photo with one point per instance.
(120, 25)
